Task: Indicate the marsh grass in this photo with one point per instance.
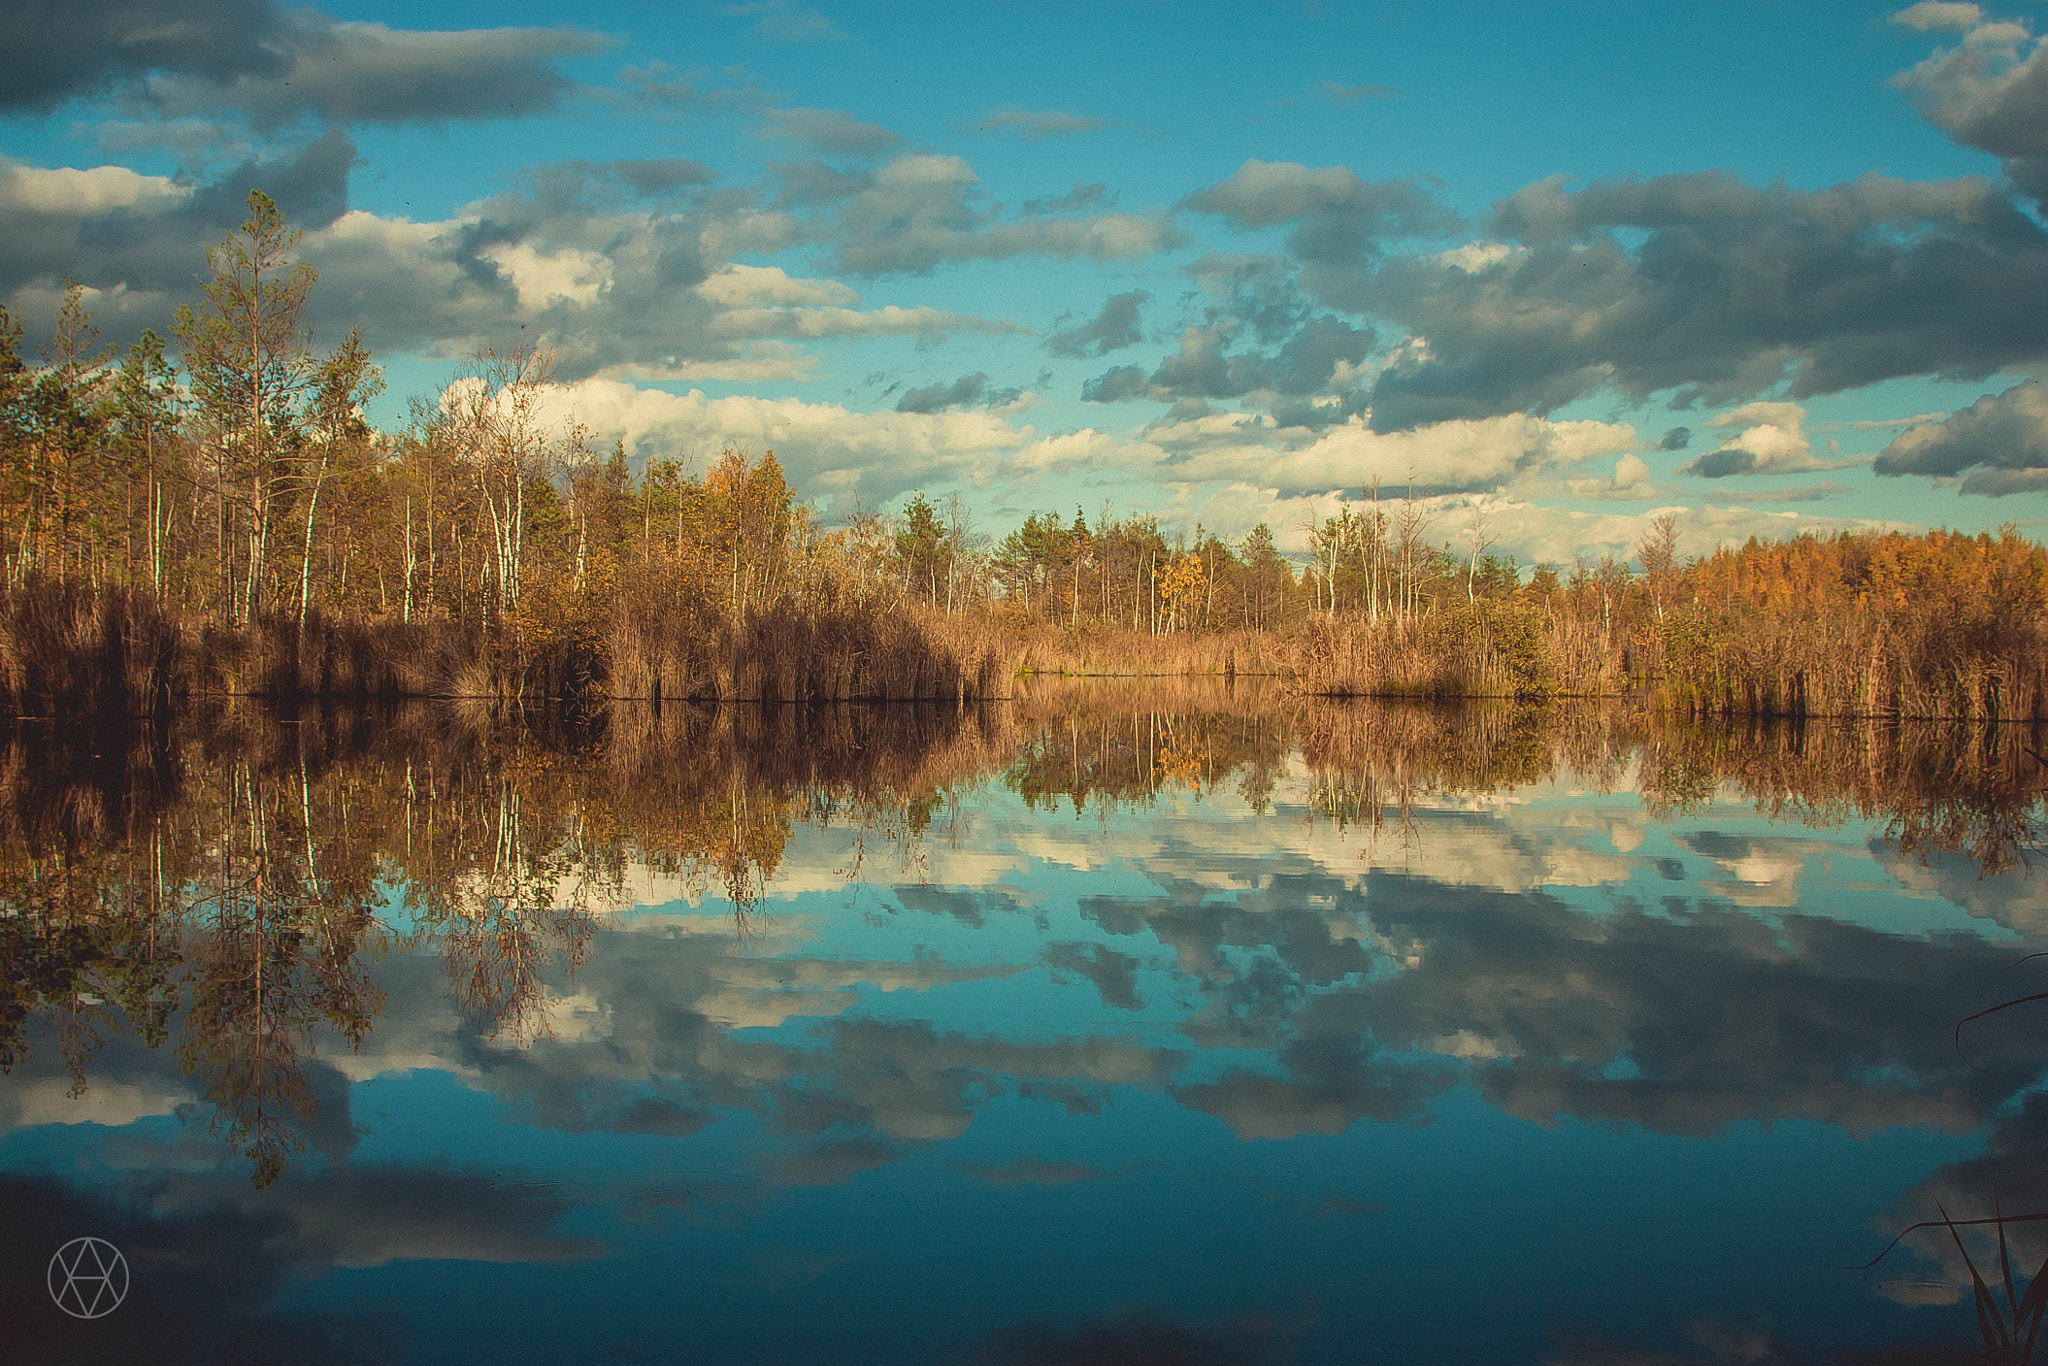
(2009, 1330)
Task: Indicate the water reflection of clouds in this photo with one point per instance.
(1229, 974)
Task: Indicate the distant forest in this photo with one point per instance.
(231, 523)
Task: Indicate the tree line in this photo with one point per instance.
(229, 520)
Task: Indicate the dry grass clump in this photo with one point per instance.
(67, 649)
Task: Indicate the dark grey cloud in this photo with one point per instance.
(1117, 384)
(1304, 367)
(833, 130)
(1114, 975)
(1721, 464)
(1136, 1338)
(923, 210)
(1080, 197)
(1990, 92)
(663, 174)
(571, 250)
(144, 239)
(970, 906)
(1116, 326)
(183, 1224)
(1330, 1084)
(968, 391)
(57, 51)
(1997, 445)
(1731, 292)
(1262, 339)
(277, 65)
(809, 184)
(1677, 439)
(1723, 1015)
(179, 1308)
(1338, 218)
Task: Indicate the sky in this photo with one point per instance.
(1772, 267)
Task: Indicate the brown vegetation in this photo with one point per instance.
(242, 529)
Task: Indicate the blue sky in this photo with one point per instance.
(1564, 269)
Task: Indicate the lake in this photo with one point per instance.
(1116, 1023)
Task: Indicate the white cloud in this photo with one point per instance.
(1771, 439)
(547, 277)
(1479, 453)
(823, 447)
(63, 191)
(1940, 16)
(738, 286)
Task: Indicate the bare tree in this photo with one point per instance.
(1481, 538)
(494, 411)
(1658, 553)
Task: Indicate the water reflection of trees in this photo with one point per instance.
(1936, 787)
(225, 884)
(229, 881)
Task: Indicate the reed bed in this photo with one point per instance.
(1094, 651)
(1484, 649)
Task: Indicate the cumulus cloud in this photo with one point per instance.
(1320, 354)
(1630, 472)
(139, 241)
(1729, 292)
(572, 251)
(833, 130)
(826, 449)
(1677, 439)
(1770, 439)
(1996, 446)
(1483, 454)
(1033, 124)
(1115, 327)
(1337, 217)
(781, 21)
(1533, 532)
(1943, 16)
(922, 210)
(1990, 91)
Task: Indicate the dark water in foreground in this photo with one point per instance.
(1158, 1026)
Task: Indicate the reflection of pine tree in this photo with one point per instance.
(503, 926)
(273, 960)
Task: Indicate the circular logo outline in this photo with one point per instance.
(90, 1273)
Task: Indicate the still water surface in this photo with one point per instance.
(1150, 1025)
